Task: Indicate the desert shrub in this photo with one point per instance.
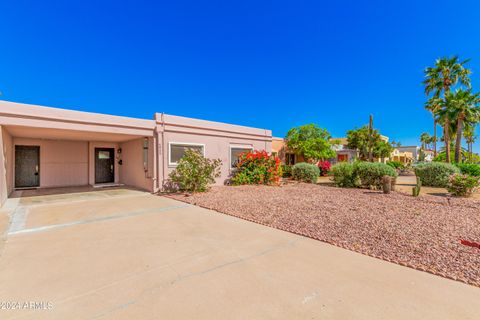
(371, 173)
(462, 185)
(344, 175)
(471, 169)
(305, 172)
(435, 174)
(324, 167)
(194, 172)
(286, 170)
(257, 167)
(396, 165)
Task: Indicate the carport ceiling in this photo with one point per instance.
(59, 134)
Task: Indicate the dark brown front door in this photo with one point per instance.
(27, 166)
(104, 165)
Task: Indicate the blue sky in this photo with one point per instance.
(269, 64)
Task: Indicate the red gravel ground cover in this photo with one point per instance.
(424, 233)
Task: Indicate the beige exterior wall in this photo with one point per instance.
(3, 168)
(67, 141)
(217, 139)
(132, 171)
(62, 163)
(10, 160)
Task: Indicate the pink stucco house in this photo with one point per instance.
(42, 147)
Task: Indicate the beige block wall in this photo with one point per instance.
(132, 171)
(62, 163)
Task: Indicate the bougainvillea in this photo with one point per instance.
(324, 167)
(257, 167)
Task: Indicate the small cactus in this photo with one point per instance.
(417, 188)
(394, 183)
(386, 184)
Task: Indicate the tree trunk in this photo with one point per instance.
(370, 133)
(434, 137)
(458, 143)
(446, 139)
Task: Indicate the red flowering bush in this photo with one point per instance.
(324, 167)
(257, 167)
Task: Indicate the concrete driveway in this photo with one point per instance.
(124, 254)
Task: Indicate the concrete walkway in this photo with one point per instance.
(123, 254)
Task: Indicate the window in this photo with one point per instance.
(290, 159)
(177, 150)
(103, 154)
(235, 153)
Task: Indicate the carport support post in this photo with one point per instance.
(3, 172)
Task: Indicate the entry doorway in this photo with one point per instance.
(27, 166)
(104, 165)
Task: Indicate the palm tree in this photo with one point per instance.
(432, 105)
(446, 73)
(470, 138)
(464, 108)
(425, 139)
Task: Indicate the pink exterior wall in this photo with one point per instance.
(217, 139)
(5, 165)
(9, 159)
(62, 163)
(68, 139)
(132, 171)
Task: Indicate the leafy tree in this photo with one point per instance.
(359, 139)
(310, 141)
(382, 149)
(446, 72)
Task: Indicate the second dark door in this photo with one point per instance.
(104, 165)
(27, 166)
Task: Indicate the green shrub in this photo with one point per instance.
(344, 175)
(396, 164)
(371, 173)
(194, 172)
(462, 185)
(305, 172)
(286, 170)
(469, 168)
(435, 174)
(257, 167)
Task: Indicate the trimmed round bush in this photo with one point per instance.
(305, 172)
(471, 169)
(372, 173)
(435, 174)
(344, 175)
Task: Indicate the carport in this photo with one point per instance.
(46, 147)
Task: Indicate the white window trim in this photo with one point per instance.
(236, 146)
(174, 164)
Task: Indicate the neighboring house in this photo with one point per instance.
(404, 157)
(344, 154)
(429, 155)
(280, 149)
(49, 147)
(414, 150)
